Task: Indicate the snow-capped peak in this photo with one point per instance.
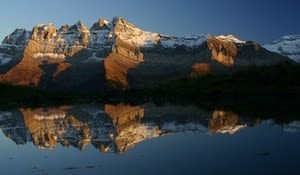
(118, 19)
(133, 35)
(230, 38)
(288, 45)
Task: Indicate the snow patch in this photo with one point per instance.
(230, 38)
(5, 60)
(50, 117)
(174, 127)
(231, 129)
(49, 55)
(140, 38)
(191, 41)
(100, 38)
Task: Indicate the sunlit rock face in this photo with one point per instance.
(234, 53)
(223, 51)
(68, 41)
(224, 122)
(118, 63)
(59, 59)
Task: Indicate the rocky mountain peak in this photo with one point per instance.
(122, 25)
(18, 37)
(64, 28)
(43, 31)
(102, 24)
(79, 27)
(117, 19)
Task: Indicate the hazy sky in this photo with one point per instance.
(259, 20)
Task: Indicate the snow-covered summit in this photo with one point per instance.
(288, 45)
(230, 38)
(133, 35)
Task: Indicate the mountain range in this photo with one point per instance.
(118, 55)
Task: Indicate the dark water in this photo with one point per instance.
(145, 139)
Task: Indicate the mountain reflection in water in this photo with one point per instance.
(116, 128)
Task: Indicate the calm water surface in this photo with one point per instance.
(145, 139)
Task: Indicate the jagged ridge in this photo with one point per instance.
(117, 54)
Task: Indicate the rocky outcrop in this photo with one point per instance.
(223, 51)
(233, 53)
